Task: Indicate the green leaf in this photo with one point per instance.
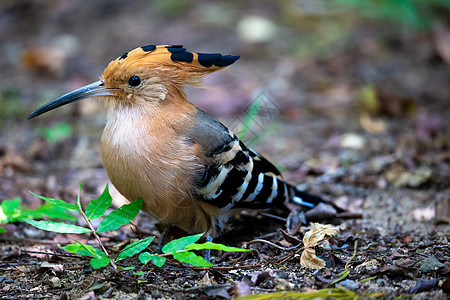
(192, 259)
(145, 257)
(157, 260)
(9, 206)
(3, 218)
(79, 198)
(46, 210)
(97, 252)
(214, 246)
(121, 216)
(139, 273)
(8, 210)
(61, 203)
(81, 249)
(74, 248)
(99, 262)
(180, 244)
(2, 230)
(135, 248)
(98, 207)
(128, 268)
(59, 227)
(87, 250)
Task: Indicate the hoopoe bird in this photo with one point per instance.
(190, 170)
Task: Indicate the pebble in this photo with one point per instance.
(349, 284)
(56, 282)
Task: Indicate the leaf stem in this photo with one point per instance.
(99, 241)
(346, 271)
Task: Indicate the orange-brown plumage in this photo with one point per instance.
(188, 168)
(144, 145)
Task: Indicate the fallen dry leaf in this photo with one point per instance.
(372, 125)
(322, 212)
(294, 221)
(424, 285)
(397, 255)
(312, 237)
(206, 280)
(219, 293)
(259, 277)
(88, 296)
(241, 288)
(310, 260)
(406, 263)
(397, 270)
(45, 267)
(370, 265)
(290, 238)
(399, 176)
(318, 233)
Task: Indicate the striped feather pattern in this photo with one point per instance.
(239, 177)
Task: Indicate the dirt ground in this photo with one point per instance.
(361, 116)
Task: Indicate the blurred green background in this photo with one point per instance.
(50, 47)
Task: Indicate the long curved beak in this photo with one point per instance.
(91, 90)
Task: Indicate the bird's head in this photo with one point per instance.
(145, 74)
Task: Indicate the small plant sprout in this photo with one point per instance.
(180, 249)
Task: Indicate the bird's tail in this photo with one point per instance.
(308, 200)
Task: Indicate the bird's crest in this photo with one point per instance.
(172, 63)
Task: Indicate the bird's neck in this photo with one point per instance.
(171, 116)
(169, 109)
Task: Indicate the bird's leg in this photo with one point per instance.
(162, 239)
(208, 251)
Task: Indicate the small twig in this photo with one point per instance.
(267, 235)
(216, 267)
(238, 267)
(133, 230)
(273, 244)
(285, 258)
(206, 287)
(54, 254)
(273, 216)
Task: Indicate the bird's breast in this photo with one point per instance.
(150, 160)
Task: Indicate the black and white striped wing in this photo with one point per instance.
(235, 176)
(243, 179)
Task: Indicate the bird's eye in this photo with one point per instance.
(134, 81)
